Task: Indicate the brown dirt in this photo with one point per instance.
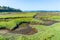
(4, 31)
(22, 29)
(25, 29)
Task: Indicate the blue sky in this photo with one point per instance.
(27, 5)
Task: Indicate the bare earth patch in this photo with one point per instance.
(25, 31)
(24, 28)
(4, 31)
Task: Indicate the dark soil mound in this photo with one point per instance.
(25, 29)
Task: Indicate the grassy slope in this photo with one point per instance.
(17, 15)
(12, 23)
(44, 32)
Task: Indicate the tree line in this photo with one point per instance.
(8, 9)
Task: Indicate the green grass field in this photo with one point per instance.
(51, 32)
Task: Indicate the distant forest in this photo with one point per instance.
(8, 9)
